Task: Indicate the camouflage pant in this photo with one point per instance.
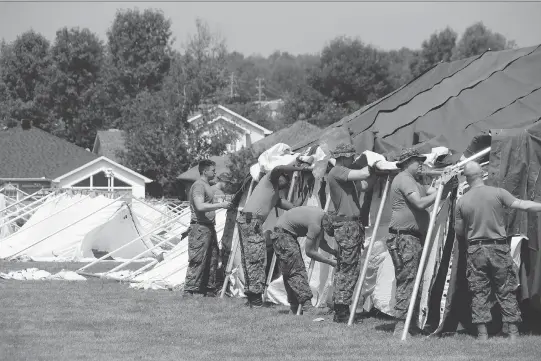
(349, 236)
(253, 254)
(288, 253)
(491, 271)
(202, 259)
(409, 250)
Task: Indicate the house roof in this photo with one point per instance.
(451, 102)
(291, 135)
(111, 162)
(34, 153)
(111, 143)
(236, 115)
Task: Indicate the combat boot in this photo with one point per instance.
(341, 313)
(482, 333)
(513, 331)
(293, 309)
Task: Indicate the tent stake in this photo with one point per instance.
(362, 276)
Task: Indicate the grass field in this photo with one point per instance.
(106, 321)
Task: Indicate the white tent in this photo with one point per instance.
(68, 228)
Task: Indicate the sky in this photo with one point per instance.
(259, 27)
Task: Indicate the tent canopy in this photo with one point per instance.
(451, 102)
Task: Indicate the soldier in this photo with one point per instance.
(480, 223)
(306, 222)
(202, 240)
(250, 221)
(347, 226)
(408, 227)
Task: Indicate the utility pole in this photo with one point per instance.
(231, 86)
(259, 87)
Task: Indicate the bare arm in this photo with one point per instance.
(419, 202)
(201, 206)
(310, 247)
(359, 174)
(366, 185)
(285, 204)
(527, 206)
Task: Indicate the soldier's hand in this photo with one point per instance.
(226, 205)
(333, 263)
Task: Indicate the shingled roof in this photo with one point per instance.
(110, 143)
(34, 153)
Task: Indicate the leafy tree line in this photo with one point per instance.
(139, 81)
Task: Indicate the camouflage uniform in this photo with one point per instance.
(202, 259)
(349, 235)
(292, 266)
(253, 253)
(492, 265)
(409, 251)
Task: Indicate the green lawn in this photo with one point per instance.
(105, 320)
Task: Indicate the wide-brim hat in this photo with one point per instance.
(407, 154)
(343, 150)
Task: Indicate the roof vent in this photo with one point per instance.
(26, 124)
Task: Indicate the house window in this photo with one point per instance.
(84, 183)
(99, 181)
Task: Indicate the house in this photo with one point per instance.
(274, 106)
(295, 133)
(33, 159)
(109, 143)
(248, 131)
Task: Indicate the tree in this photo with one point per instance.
(77, 57)
(140, 55)
(439, 47)
(477, 39)
(24, 68)
(399, 66)
(159, 143)
(350, 71)
(202, 68)
(239, 163)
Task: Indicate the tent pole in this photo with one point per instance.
(234, 245)
(312, 261)
(127, 244)
(362, 276)
(273, 262)
(29, 205)
(46, 218)
(420, 270)
(64, 228)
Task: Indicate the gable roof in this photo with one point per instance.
(34, 153)
(111, 142)
(291, 135)
(451, 101)
(113, 163)
(236, 115)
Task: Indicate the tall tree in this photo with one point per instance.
(439, 47)
(77, 57)
(477, 39)
(350, 71)
(139, 46)
(24, 68)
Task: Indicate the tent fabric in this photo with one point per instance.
(515, 164)
(71, 226)
(452, 102)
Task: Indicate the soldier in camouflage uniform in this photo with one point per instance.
(347, 226)
(250, 221)
(408, 227)
(491, 271)
(202, 241)
(304, 221)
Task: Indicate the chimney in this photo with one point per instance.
(26, 124)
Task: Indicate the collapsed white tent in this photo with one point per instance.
(72, 226)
